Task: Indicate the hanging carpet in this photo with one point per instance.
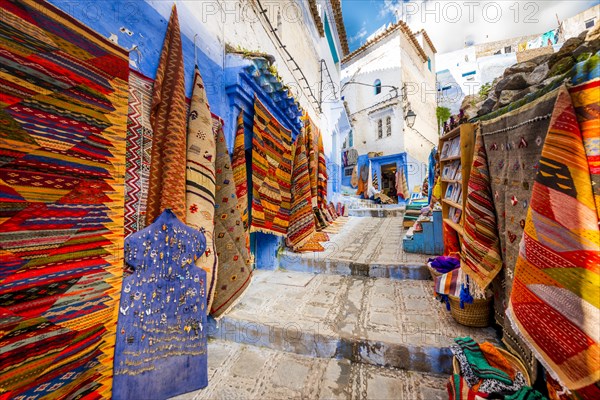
(402, 185)
(302, 220)
(312, 148)
(234, 271)
(481, 258)
(138, 152)
(166, 188)
(63, 109)
(586, 100)
(322, 174)
(200, 178)
(555, 299)
(240, 174)
(271, 173)
(513, 144)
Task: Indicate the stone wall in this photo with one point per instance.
(534, 74)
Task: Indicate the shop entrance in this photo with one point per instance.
(388, 181)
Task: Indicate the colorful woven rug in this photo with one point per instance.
(481, 258)
(402, 185)
(513, 143)
(234, 272)
(166, 188)
(271, 173)
(302, 220)
(63, 116)
(363, 180)
(240, 174)
(138, 151)
(375, 180)
(320, 221)
(556, 305)
(322, 176)
(354, 177)
(163, 353)
(312, 148)
(200, 178)
(586, 100)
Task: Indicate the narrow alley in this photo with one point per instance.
(299, 199)
(359, 321)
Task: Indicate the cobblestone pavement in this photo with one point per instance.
(366, 240)
(238, 371)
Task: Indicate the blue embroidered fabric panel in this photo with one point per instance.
(161, 338)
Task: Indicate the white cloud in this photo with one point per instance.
(390, 7)
(360, 34)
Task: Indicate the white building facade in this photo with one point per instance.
(389, 75)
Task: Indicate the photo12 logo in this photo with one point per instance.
(469, 11)
(248, 11)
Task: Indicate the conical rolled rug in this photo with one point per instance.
(234, 271)
(200, 179)
(166, 188)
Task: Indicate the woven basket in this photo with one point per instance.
(432, 271)
(476, 314)
(512, 359)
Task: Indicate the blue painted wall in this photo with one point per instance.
(147, 28)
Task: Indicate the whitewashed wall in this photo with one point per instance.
(237, 23)
(394, 61)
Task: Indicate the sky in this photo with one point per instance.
(450, 24)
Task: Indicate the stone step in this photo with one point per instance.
(377, 212)
(316, 263)
(377, 321)
(238, 371)
(370, 247)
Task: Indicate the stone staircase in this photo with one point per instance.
(358, 207)
(357, 321)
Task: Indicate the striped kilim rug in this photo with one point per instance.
(240, 174)
(200, 178)
(555, 301)
(271, 173)
(481, 257)
(302, 220)
(139, 151)
(166, 188)
(513, 143)
(322, 174)
(586, 100)
(234, 270)
(375, 180)
(312, 149)
(63, 112)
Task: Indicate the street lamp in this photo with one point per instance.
(410, 118)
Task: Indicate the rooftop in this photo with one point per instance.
(398, 26)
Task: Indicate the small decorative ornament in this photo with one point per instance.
(511, 236)
(514, 201)
(539, 141)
